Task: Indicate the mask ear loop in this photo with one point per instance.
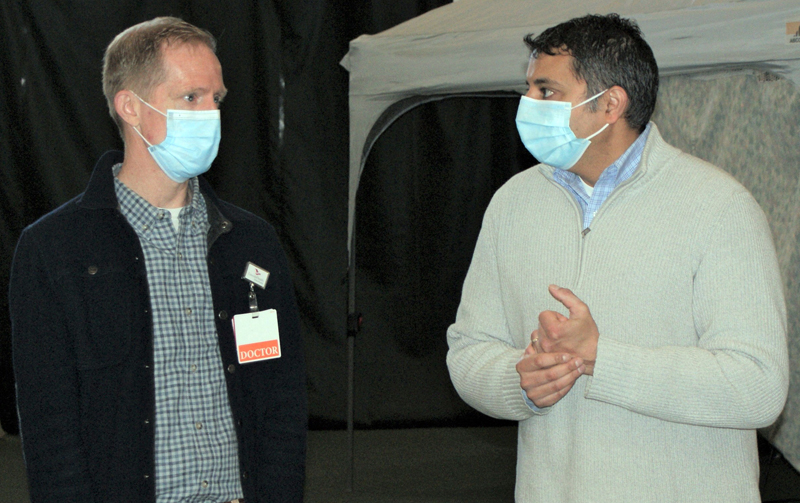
(573, 108)
(583, 103)
(135, 128)
(162, 113)
(597, 133)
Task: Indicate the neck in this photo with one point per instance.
(142, 175)
(604, 151)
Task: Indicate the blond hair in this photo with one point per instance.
(133, 60)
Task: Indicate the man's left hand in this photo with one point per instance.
(576, 335)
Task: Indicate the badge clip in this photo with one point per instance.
(255, 275)
(251, 296)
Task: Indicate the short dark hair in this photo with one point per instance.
(607, 51)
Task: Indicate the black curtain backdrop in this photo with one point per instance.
(283, 156)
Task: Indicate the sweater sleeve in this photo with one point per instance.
(47, 382)
(737, 374)
(482, 356)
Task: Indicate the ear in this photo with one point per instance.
(616, 104)
(128, 107)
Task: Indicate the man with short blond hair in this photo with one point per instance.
(156, 339)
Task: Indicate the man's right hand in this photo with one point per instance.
(548, 377)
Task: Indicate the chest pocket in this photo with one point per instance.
(103, 297)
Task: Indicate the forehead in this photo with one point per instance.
(557, 68)
(192, 64)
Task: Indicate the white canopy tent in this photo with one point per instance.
(475, 47)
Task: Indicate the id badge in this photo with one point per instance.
(257, 336)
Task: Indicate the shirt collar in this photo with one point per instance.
(144, 217)
(619, 171)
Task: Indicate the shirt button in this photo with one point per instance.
(193, 368)
(92, 270)
(161, 214)
(204, 484)
(198, 425)
(244, 475)
(180, 255)
(231, 368)
(145, 227)
(146, 421)
(147, 476)
(188, 311)
(223, 315)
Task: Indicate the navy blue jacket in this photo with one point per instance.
(83, 352)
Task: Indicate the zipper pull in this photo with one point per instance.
(586, 231)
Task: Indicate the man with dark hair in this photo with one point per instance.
(624, 302)
(156, 339)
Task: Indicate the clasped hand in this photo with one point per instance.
(561, 350)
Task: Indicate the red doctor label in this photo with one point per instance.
(257, 336)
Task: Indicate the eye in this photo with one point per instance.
(546, 93)
(190, 97)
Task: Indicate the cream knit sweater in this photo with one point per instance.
(679, 272)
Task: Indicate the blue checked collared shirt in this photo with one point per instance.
(196, 458)
(609, 179)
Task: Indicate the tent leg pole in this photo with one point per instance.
(350, 406)
(353, 326)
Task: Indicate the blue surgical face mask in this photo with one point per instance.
(544, 129)
(191, 143)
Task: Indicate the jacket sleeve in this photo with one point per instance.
(48, 388)
(283, 444)
(482, 356)
(737, 375)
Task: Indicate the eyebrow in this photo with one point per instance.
(544, 81)
(195, 90)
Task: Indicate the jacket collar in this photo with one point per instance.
(100, 191)
(100, 194)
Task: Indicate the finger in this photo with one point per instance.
(540, 361)
(549, 360)
(566, 297)
(548, 320)
(536, 345)
(551, 392)
(530, 350)
(534, 376)
(552, 399)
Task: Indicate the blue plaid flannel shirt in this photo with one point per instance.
(196, 457)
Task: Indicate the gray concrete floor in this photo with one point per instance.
(422, 465)
(414, 465)
(458, 465)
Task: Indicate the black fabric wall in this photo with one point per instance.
(284, 156)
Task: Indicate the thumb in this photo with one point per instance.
(566, 297)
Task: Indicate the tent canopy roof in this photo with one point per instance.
(476, 46)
